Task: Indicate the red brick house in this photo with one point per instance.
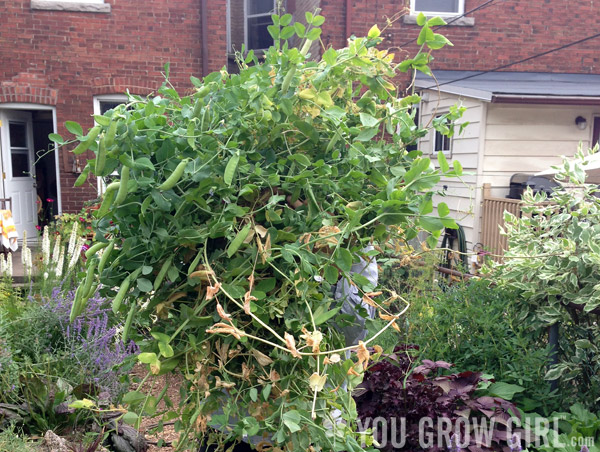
(68, 59)
(522, 117)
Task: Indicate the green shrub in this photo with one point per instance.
(474, 326)
(553, 260)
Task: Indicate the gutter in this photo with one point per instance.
(204, 36)
(348, 18)
(546, 100)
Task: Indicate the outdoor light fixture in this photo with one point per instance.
(581, 122)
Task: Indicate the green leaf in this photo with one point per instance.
(367, 120)
(300, 29)
(438, 41)
(318, 21)
(292, 420)
(374, 32)
(431, 224)
(253, 394)
(421, 19)
(266, 392)
(504, 390)
(285, 20)
(458, 169)
(165, 349)
(102, 120)
(133, 397)
(444, 167)
(301, 159)
(130, 418)
(343, 259)
(56, 138)
(367, 134)
(143, 163)
(83, 403)
(331, 274)
(230, 168)
(238, 240)
(443, 209)
(330, 57)
(147, 358)
(196, 81)
(144, 285)
(309, 17)
(325, 316)
(74, 128)
(435, 22)
(314, 34)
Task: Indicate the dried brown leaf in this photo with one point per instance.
(291, 345)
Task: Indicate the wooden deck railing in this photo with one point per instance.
(492, 216)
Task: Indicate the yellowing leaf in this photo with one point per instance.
(309, 94)
(363, 355)
(317, 382)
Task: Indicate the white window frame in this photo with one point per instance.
(251, 16)
(434, 150)
(461, 10)
(122, 98)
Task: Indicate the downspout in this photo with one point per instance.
(204, 36)
(348, 18)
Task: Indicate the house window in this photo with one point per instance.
(437, 7)
(102, 104)
(107, 102)
(442, 143)
(257, 19)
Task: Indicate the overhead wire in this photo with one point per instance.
(504, 66)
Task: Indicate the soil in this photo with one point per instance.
(155, 385)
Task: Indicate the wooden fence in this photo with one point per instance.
(492, 216)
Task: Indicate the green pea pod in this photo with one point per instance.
(105, 256)
(95, 248)
(162, 273)
(85, 144)
(82, 177)
(128, 322)
(109, 197)
(109, 138)
(174, 177)
(75, 307)
(122, 193)
(92, 291)
(101, 157)
(202, 92)
(195, 263)
(116, 303)
(197, 108)
(89, 280)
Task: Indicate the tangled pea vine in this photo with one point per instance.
(230, 213)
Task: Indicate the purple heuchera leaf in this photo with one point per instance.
(391, 390)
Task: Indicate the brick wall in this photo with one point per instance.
(505, 31)
(64, 58)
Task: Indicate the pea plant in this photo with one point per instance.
(237, 209)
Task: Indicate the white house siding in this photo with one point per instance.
(461, 195)
(530, 138)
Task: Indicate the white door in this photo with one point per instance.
(17, 169)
